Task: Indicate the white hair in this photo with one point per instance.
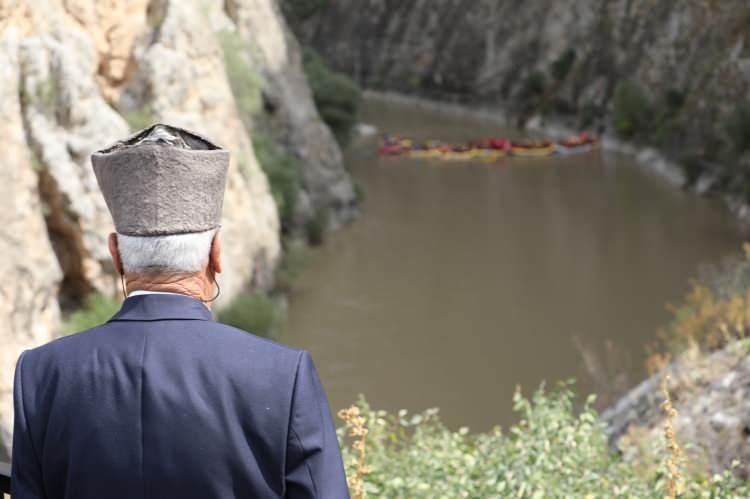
(178, 253)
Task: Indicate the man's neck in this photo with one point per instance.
(193, 285)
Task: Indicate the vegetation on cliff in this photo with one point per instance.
(716, 311)
(336, 95)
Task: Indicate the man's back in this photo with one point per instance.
(162, 402)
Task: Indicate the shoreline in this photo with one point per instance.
(647, 157)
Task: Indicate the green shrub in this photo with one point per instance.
(667, 126)
(293, 263)
(140, 117)
(336, 96)
(534, 85)
(632, 110)
(283, 172)
(553, 452)
(738, 127)
(97, 309)
(255, 313)
(316, 227)
(245, 82)
(563, 64)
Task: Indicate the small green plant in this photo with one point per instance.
(283, 172)
(97, 309)
(563, 64)
(255, 313)
(43, 96)
(37, 163)
(632, 110)
(534, 85)
(293, 263)
(316, 227)
(140, 117)
(667, 125)
(245, 82)
(336, 96)
(738, 127)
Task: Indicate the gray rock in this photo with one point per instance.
(29, 311)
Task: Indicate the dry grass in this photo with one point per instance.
(358, 431)
(672, 462)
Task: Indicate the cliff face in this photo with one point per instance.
(671, 74)
(75, 75)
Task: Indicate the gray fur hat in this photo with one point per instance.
(162, 180)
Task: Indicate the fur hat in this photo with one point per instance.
(162, 180)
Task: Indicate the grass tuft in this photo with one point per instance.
(97, 309)
(255, 313)
(140, 117)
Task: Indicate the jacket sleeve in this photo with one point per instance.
(26, 471)
(314, 468)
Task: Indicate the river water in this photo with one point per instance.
(461, 281)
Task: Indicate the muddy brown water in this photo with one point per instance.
(461, 281)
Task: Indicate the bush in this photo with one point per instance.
(563, 64)
(632, 110)
(139, 118)
(534, 85)
(293, 263)
(97, 310)
(738, 128)
(255, 313)
(716, 310)
(553, 452)
(316, 227)
(667, 126)
(283, 172)
(336, 96)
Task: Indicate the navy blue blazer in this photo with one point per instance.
(162, 402)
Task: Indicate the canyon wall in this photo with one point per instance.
(76, 75)
(671, 74)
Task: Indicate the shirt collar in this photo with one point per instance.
(138, 292)
(154, 306)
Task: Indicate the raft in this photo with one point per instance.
(485, 150)
(533, 150)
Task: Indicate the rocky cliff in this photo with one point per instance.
(75, 75)
(667, 73)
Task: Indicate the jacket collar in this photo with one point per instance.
(156, 307)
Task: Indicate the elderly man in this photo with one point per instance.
(161, 401)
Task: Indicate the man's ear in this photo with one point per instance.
(114, 252)
(214, 258)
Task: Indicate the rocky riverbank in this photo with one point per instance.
(75, 76)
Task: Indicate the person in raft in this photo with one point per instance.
(161, 401)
